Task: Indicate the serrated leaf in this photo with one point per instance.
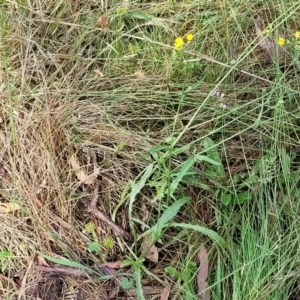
(138, 281)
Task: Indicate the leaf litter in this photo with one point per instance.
(149, 250)
(81, 174)
(204, 293)
(266, 43)
(6, 208)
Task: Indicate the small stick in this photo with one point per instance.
(98, 214)
(62, 269)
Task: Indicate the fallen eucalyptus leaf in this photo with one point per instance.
(204, 294)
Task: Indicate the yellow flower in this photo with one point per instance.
(297, 34)
(281, 41)
(189, 37)
(178, 44)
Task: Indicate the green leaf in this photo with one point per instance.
(210, 173)
(156, 149)
(210, 233)
(94, 247)
(140, 222)
(73, 264)
(138, 280)
(52, 235)
(172, 271)
(285, 163)
(5, 254)
(137, 186)
(207, 159)
(182, 172)
(195, 181)
(213, 154)
(140, 16)
(167, 215)
(126, 283)
(226, 198)
(242, 197)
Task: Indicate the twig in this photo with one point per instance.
(92, 208)
(62, 269)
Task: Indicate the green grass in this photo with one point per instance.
(196, 148)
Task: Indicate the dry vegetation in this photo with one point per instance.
(88, 90)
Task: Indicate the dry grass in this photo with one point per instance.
(73, 86)
(54, 104)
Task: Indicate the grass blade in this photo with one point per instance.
(210, 233)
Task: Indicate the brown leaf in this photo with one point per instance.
(8, 207)
(98, 72)
(42, 261)
(114, 265)
(51, 287)
(103, 20)
(80, 173)
(139, 74)
(149, 250)
(165, 292)
(266, 43)
(61, 269)
(204, 294)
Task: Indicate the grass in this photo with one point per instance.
(196, 148)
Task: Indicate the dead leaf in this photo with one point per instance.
(149, 250)
(50, 288)
(98, 72)
(166, 291)
(80, 173)
(103, 20)
(42, 261)
(204, 294)
(114, 265)
(62, 269)
(139, 74)
(266, 43)
(8, 207)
